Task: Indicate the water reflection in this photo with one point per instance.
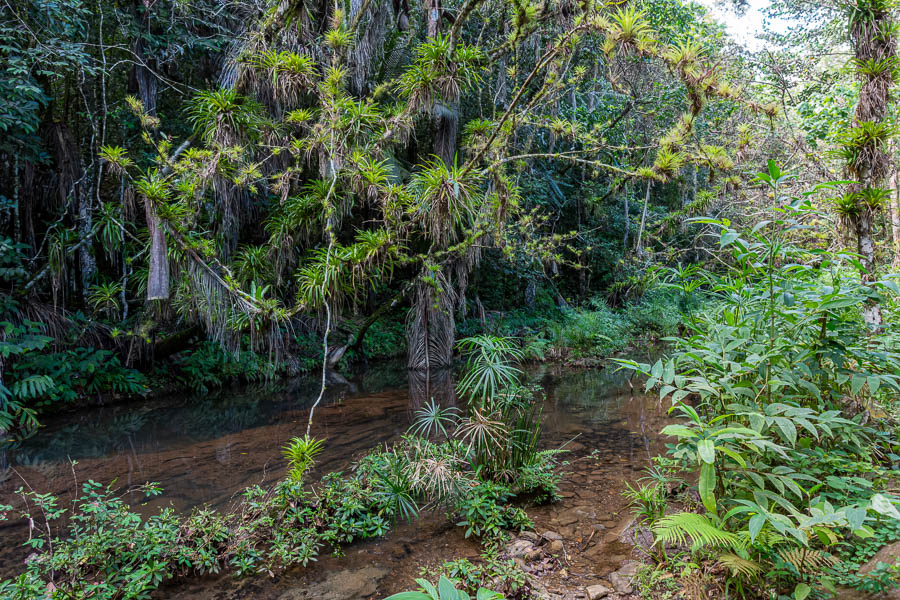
(438, 385)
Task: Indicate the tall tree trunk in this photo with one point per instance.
(872, 36)
(640, 237)
(147, 85)
(895, 217)
(431, 330)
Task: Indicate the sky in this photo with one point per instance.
(745, 28)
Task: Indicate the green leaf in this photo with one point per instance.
(447, 589)
(874, 382)
(756, 525)
(856, 383)
(801, 591)
(707, 486)
(706, 451)
(788, 428)
(883, 505)
(679, 431)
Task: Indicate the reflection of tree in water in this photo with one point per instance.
(436, 384)
(384, 376)
(215, 417)
(599, 392)
(86, 440)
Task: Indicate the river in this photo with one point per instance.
(206, 449)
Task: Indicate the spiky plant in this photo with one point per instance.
(631, 30)
(301, 453)
(490, 365)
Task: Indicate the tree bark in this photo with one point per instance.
(895, 217)
(640, 237)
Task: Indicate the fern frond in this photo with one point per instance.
(807, 561)
(680, 527)
(32, 387)
(739, 566)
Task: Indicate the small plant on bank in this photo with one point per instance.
(301, 453)
(445, 590)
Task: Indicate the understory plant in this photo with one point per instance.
(775, 391)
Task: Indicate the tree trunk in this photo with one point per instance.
(873, 42)
(640, 237)
(147, 84)
(895, 218)
(158, 278)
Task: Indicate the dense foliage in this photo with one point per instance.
(775, 388)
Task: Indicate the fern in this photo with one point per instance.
(33, 386)
(740, 566)
(807, 561)
(679, 527)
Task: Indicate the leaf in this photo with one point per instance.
(728, 237)
(446, 588)
(756, 525)
(874, 382)
(706, 451)
(788, 428)
(801, 591)
(883, 505)
(707, 486)
(855, 517)
(679, 431)
(856, 383)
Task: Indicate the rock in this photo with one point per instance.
(534, 555)
(595, 592)
(888, 554)
(567, 517)
(519, 548)
(341, 585)
(630, 568)
(551, 535)
(530, 536)
(621, 583)
(556, 546)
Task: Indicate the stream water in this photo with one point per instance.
(207, 449)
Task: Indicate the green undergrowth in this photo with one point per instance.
(779, 392)
(594, 331)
